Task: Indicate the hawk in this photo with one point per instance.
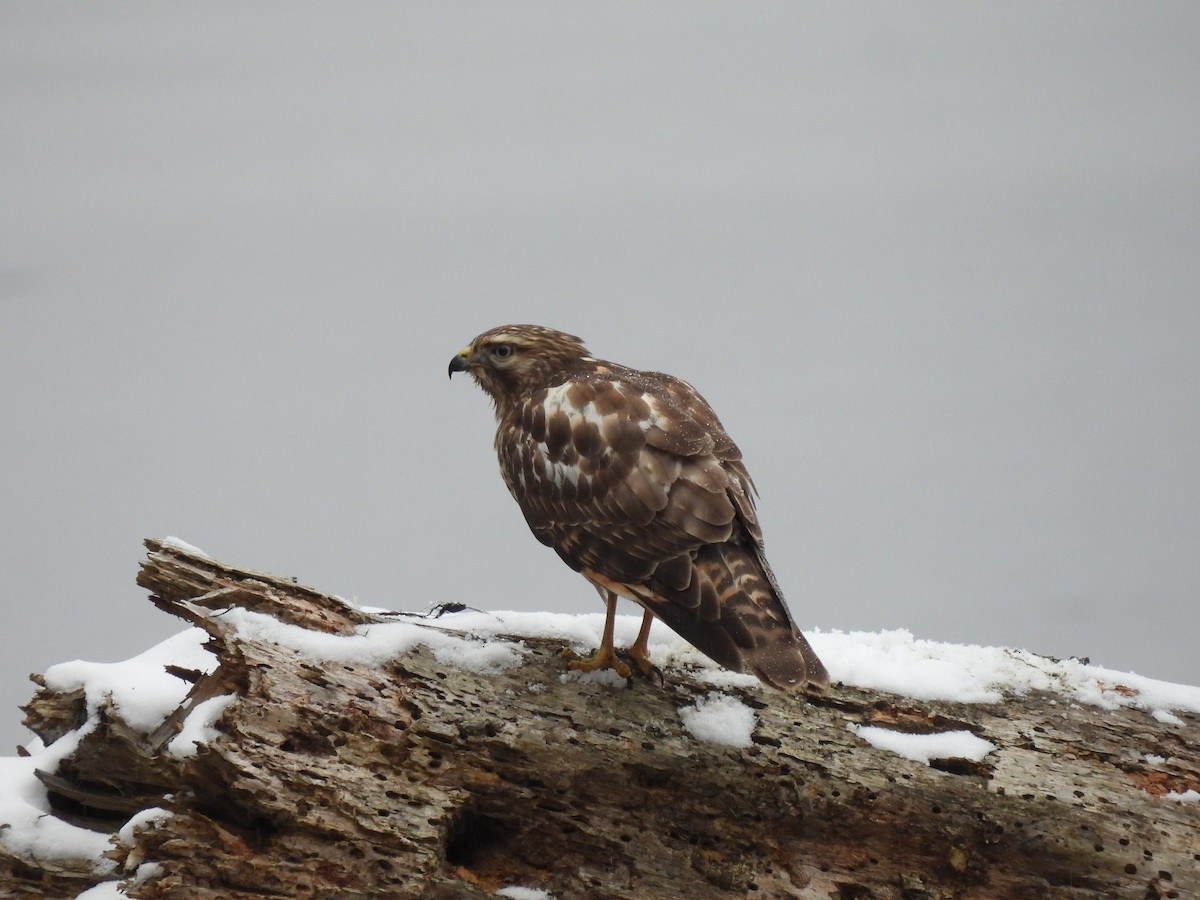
(630, 477)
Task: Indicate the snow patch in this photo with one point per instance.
(376, 643)
(523, 893)
(1184, 797)
(105, 890)
(719, 719)
(143, 694)
(896, 662)
(1166, 717)
(148, 872)
(30, 830)
(138, 688)
(174, 543)
(892, 661)
(200, 726)
(924, 747)
(714, 676)
(142, 821)
(605, 677)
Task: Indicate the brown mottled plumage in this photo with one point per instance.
(630, 477)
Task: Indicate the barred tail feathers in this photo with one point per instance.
(741, 620)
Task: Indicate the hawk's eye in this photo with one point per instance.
(502, 351)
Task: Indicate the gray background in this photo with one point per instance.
(935, 265)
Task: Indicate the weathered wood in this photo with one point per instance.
(417, 779)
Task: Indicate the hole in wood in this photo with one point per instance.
(473, 837)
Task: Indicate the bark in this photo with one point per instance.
(417, 779)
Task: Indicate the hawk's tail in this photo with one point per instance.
(741, 620)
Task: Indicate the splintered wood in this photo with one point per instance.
(414, 778)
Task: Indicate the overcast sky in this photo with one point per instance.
(935, 266)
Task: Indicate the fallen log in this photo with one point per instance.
(329, 751)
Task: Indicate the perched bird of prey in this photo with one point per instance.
(630, 477)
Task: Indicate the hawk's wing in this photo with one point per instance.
(630, 477)
(621, 476)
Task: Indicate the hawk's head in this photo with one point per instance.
(512, 361)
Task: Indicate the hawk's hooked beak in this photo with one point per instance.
(461, 361)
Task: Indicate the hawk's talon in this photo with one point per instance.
(603, 658)
(645, 668)
(626, 663)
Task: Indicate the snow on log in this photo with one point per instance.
(289, 744)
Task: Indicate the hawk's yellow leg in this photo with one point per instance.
(605, 656)
(639, 650)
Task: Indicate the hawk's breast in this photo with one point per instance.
(568, 432)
